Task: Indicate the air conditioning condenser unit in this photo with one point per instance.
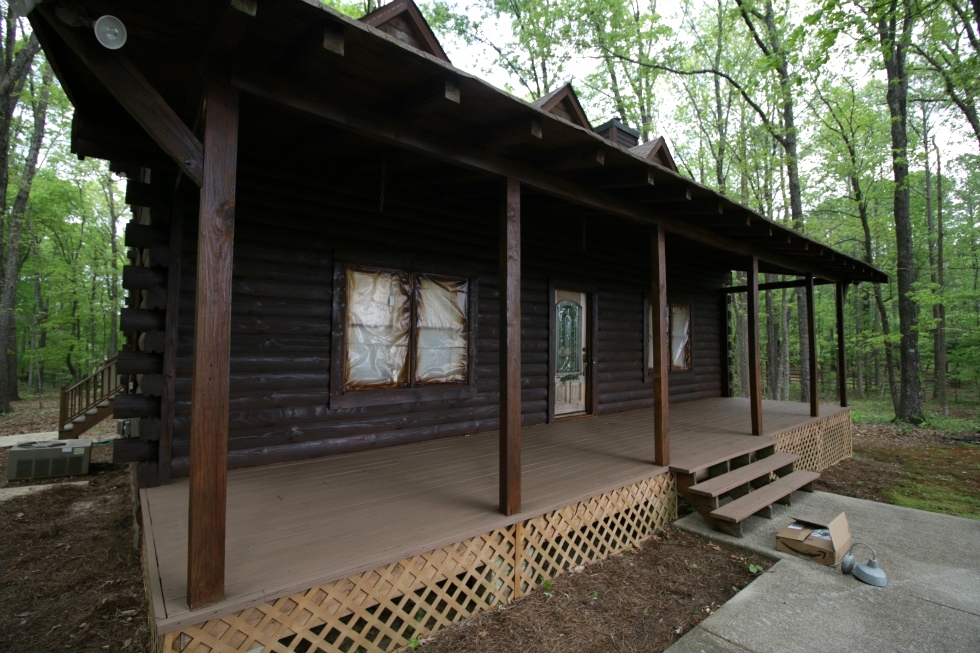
(47, 458)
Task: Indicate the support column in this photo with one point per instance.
(755, 360)
(811, 352)
(661, 348)
(212, 346)
(841, 288)
(510, 348)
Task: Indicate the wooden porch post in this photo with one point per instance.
(510, 348)
(212, 345)
(755, 360)
(811, 330)
(661, 348)
(841, 288)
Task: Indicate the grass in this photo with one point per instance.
(939, 474)
(934, 499)
(965, 418)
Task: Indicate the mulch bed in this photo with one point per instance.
(638, 600)
(71, 578)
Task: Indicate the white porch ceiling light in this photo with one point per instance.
(109, 31)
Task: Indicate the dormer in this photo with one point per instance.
(563, 102)
(403, 20)
(656, 151)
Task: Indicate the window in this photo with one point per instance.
(680, 337)
(679, 333)
(404, 329)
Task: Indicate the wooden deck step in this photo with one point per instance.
(730, 516)
(721, 485)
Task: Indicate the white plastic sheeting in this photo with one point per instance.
(379, 329)
(680, 336)
(441, 349)
(378, 324)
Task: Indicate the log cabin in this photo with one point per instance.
(401, 345)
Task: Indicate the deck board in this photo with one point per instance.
(298, 525)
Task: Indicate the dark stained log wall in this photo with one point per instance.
(285, 251)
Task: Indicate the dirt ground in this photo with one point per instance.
(71, 579)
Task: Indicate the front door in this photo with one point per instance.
(571, 352)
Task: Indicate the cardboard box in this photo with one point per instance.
(825, 543)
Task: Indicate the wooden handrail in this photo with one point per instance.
(86, 395)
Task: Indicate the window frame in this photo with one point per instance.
(648, 338)
(339, 397)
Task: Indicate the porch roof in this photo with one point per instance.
(331, 96)
(301, 525)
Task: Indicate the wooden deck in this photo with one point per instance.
(299, 525)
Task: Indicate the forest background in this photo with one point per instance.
(855, 122)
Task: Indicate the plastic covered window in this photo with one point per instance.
(378, 325)
(679, 327)
(405, 329)
(680, 336)
(441, 348)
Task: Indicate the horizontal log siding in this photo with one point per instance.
(282, 305)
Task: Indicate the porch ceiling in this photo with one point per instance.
(327, 97)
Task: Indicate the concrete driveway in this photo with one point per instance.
(930, 605)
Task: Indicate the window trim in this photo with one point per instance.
(338, 397)
(648, 337)
(690, 336)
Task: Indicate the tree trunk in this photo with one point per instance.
(939, 309)
(894, 44)
(12, 260)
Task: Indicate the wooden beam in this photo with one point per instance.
(439, 92)
(811, 353)
(661, 347)
(778, 285)
(841, 358)
(302, 60)
(392, 131)
(513, 132)
(510, 348)
(226, 32)
(574, 158)
(212, 348)
(137, 96)
(755, 359)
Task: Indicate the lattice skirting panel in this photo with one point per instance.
(821, 442)
(383, 609)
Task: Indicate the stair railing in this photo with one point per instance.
(96, 388)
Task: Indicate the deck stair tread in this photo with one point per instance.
(721, 485)
(746, 506)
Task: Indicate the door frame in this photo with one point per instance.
(591, 343)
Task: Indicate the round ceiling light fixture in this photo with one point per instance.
(110, 32)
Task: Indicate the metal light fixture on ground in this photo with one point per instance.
(868, 572)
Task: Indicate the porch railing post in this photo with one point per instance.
(755, 361)
(661, 347)
(510, 348)
(811, 352)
